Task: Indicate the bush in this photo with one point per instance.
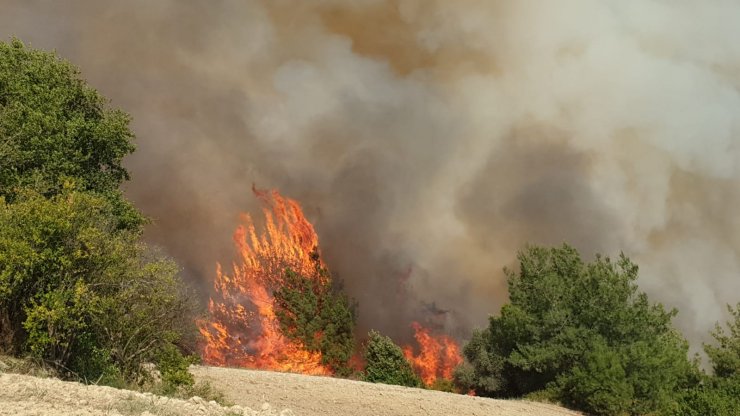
(582, 332)
(82, 295)
(718, 394)
(385, 363)
(318, 315)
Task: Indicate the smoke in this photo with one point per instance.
(429, 139)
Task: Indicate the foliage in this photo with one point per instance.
(54, 129)
(318, 315)
(81, 294)
(385, 363)
(718, 394)
(583, 332)
(725, 356)
(173, 368)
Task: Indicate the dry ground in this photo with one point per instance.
(273, 394)
(325, 396)
(23, 395)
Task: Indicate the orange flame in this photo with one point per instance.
(242, 329)
(437, 358)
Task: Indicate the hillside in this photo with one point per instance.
(325, 396)
(273, 394)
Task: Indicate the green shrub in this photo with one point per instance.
(385, 363)
(318, 315)
(82, 295)
(583, 332)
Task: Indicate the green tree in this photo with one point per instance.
(55, 129)
(385, 363)
(82, 295)
(718, 394)
(725, 355)
(312, 311)
(567, 318)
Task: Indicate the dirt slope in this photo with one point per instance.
(325, 396)
(22, 395)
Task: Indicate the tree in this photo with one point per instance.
(567, 318)
(718, 394)
(318, 315)
(80, 294)
(55, 129)
(385, 363)
(725, 356)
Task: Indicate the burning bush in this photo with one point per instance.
(321, 318)
(278, 310)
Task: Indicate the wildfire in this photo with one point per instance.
(437, 358)
(242, 329)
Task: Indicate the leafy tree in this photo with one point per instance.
(725, 356)
(318, 315)
(718, 394)
(565, 320)
(82, 295)
(54, 129)
(385, 363)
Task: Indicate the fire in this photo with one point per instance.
(242, 329)
(437, 358)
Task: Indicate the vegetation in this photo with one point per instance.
(83, 295)
(54, 129)
(318, 315)
(79, 291)
(385, 363)
(718, 394)
(582, 334)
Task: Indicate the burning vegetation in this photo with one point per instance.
(279, 308)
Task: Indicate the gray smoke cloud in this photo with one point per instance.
(428, 139)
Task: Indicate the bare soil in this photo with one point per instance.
(24, 395)
(324, 396)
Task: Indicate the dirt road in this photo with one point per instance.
(325, 396)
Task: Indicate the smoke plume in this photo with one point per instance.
(430, 139)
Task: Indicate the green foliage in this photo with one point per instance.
(311, 311)
(725, 356)
(583, 332)
(715, 396)
(173, 368)
(599, 384)
(55, 129)
(718, 394)
(81, 294)
(385, 363)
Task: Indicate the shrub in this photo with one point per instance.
(584, 333)
(82, 295)
(318, 315)
(385, 363)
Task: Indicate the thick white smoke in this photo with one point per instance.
(431, 139)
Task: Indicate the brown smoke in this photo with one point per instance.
(430, 139)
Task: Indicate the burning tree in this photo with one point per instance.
(278, 310)
(438, 355)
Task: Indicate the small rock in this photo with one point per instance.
(287, 412)
(266, 406)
